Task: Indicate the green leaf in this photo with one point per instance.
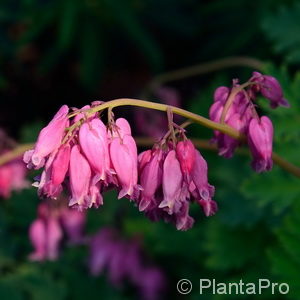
(282, 28)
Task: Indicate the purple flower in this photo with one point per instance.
(123, 260)
(260, 139)
(45, 234)
(270, 88)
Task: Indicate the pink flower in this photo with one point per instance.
(80, 176)
(45, 235)
(49, 139)
(94, 144)
(270, 88)
(186, 154)
(200, 188)
(221, 94)
(227, 144)
(124, 261)
(172, 183)
(260, 140)
(12, 177)
(182, 219)
(143, 158)
(150, 179)
(73, 222)
(37, 235)
(124, 160)
(58, 169)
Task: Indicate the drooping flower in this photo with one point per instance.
(270, 88)
(80, 176)
(73, 222)
(45, 234)
(123, 260)
(186, 154)
(124, 160)
(260, 140)
(94, 144)
(150, 179)
(48, 140)
(171, 183)
(57, 172)
(12, 177)
(200, 188)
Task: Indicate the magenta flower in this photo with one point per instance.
(186, 154)
(124, 261)
(46, 232)
(45, 235)
(221, 94)
(94, 144)
(143, 158)
(200, 188)
(57, 172)
(260, 140)
(150, 179)
(73, 222)
(12, 177)
(123, 156)
(172, 183)
(80, 176)
(270, 88)
(48, 140)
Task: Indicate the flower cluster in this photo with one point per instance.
(12, 174)
(46, 232)
(235, 107)
(171, 176)
(86, 158)
(124, 260)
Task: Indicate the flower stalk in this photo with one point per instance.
(192, 117)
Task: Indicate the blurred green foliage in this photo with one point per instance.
(256, 232)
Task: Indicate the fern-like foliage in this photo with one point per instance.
(283, 29)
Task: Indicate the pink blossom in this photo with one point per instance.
(73, 222)
(200, 188)
(48, 140)
(12, 177)
(94, 144)
(186, 154)
(270, 88)
(124, 161)
(143, 158)
(57, 169)
(80, 176)
(260, 140)
(150, 179)
(221, 94)
(45, 235)
(172, 183)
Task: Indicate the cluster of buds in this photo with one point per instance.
(86, 158)
(47, 231)
(235, 107)
(124, 260)
(12, 173)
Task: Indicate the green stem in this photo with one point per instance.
(18, 151)
(163, 107)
